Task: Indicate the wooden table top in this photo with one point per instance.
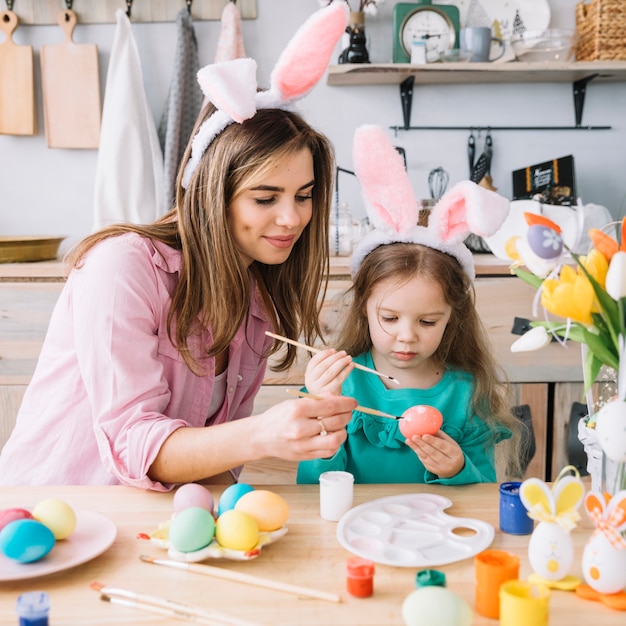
(308, 555)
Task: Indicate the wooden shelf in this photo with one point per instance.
(467, 73)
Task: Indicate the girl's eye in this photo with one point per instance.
(428, 323)
(264, 201)
(304, 198)
(388, 319)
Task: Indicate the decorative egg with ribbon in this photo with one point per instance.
(611, 430)
(544, 241)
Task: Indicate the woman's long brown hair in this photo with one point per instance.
(213, 288)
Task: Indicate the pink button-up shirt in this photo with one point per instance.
(109, 387)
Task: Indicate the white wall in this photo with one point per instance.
(50, 191)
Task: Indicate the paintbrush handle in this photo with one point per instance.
(363, 409)
(358, 366)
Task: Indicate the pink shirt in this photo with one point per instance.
(109, 387)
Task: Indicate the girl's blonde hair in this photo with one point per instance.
(465, 344)
(214, 286)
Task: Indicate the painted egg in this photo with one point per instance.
(420, 420)
(26, 540)
(545, 242)
(611, 430)
(10, 515)
(230, 495)
(192, 529)
(57, 515)
(236, 530)
(269, 510)
(435, 606)
(193, 494)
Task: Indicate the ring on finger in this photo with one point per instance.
(323, 432)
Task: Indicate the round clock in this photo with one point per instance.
(437, 26)
(430, 25)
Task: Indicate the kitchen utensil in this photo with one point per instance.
(17, 88)
(438, 180)
(480, 168)
(71, 90)
(487, 181)
(471, 151)
(544, 46)
(23, 249)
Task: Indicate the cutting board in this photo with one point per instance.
(71, 90)
(17, 87)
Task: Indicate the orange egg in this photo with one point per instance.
(268, 508)
(420, 420)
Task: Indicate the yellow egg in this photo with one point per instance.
(57, 515)
(510, 248)
(236, 530)
(268, 508)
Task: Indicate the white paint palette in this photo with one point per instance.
(412, 530)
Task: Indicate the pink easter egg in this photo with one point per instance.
(420, 420)
(10, 515)
(193, 495)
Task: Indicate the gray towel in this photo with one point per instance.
(183, 104)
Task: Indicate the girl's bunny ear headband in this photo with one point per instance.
(232, 87)
(394, 212)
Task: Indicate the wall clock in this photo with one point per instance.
(438, 25)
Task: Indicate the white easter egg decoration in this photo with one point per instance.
(551, 551)
(435, 606)
(611, 430)
(604, 567)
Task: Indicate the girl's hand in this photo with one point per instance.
(440, 454)
(303, 429)
(327, 371)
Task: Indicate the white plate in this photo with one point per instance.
(534, 14)
(412, 531)
(93, 535)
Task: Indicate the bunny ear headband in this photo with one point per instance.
(394, 212)
(232, 87)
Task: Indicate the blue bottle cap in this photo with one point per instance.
(430, 578)
(33, 608)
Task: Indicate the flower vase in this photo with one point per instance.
(356, 49)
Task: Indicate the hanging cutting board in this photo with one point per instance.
(71, 90)
(17, 87)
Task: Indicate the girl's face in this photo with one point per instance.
(267, 217)
(406, 321)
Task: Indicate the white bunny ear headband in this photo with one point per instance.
(232, 87)
(394, 212)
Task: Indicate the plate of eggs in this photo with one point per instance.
(236, 526)
(49, 538)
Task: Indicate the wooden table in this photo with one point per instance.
(309, 555)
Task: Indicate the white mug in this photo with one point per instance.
(478, 40)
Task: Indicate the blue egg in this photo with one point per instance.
(26, 540)
(544, 241)
(230, 495)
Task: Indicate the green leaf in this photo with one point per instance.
(591, 369)
(528, 277)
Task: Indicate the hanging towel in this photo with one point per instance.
(183, 104)
(129, 173)
(230, 44)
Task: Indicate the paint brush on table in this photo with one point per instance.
(218, 572)
(316, 350)
(161, 606)
(363, 409)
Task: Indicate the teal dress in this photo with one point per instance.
(375, 450)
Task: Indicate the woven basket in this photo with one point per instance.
(601, 26)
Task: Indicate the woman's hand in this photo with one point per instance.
(440, 454)
(327, 371)
(299, 430)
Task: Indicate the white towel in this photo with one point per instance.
(129, 174)
(183, 104)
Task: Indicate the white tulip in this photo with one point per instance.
(616, 276)
(535, 339)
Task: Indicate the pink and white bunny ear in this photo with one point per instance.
(467, 208)
(306, 57)
(386, 187)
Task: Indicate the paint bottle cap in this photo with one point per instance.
(33, 608)
(430, 578)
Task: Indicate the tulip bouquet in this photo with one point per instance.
(590, 298)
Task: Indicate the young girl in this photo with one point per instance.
(412, 316)
(157, 346)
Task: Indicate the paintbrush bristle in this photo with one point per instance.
(96, 586)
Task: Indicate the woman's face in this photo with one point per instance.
(267, 217)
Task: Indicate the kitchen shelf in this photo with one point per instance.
(579, 74)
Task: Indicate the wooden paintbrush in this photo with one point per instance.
(363, 409)
(316, 350)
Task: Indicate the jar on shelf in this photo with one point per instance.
(341, 232)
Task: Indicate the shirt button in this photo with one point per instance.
(239, 377)
(231, 389)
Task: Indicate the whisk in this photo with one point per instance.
(438, 180)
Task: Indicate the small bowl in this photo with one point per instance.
(552, 45)
(455, 55)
